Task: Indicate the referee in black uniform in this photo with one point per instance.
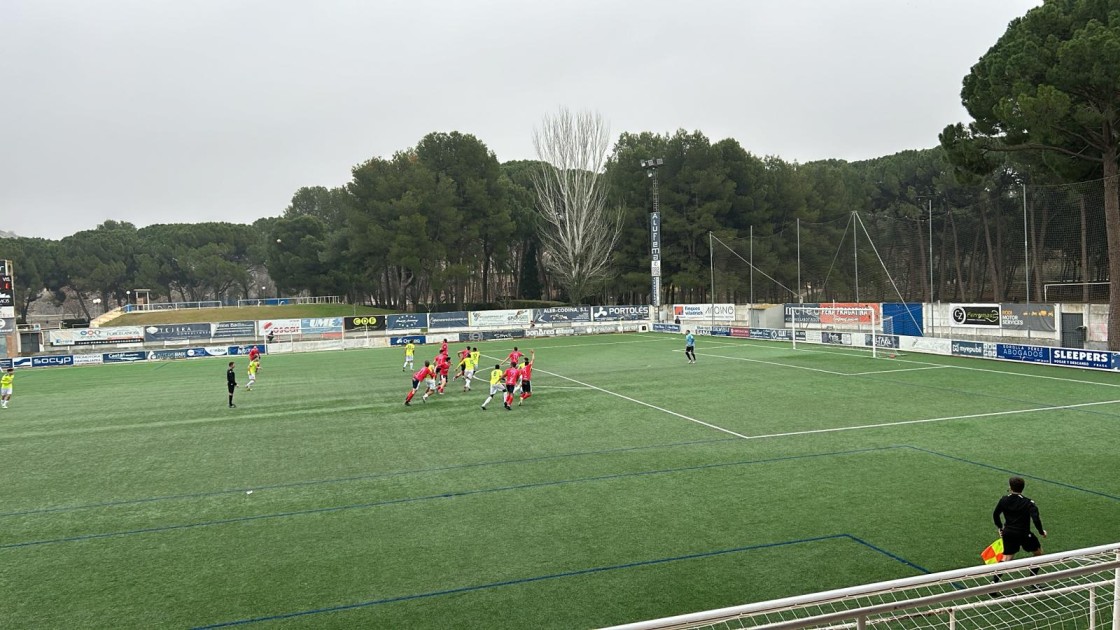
(231, 383)
(1017, 512)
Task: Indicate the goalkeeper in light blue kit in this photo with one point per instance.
(689, 346)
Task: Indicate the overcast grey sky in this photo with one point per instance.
(154, 111)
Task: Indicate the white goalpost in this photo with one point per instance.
(1073, 589)
(851, 325)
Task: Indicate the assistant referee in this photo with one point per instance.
(1017, 512)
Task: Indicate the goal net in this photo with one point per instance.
(855, 325)
(1073, 589)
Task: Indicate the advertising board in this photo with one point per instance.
(453, 319)
(177, 332)
(562, 314)
(977, 315)
(278, 327)
(501, 318)
(225, 330)
(719, 312)
(633, 312)
(407, 321)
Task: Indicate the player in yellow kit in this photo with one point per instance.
(496, 385)
(254, 365)
(409, 353)
(6, 387)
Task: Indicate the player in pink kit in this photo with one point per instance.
(425, 374)
(463, 354)
(515, 356)
(443, 366)
(512, 375)
(527, 376)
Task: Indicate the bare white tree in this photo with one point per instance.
(578, 232)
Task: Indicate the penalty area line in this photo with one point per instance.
(645, 404)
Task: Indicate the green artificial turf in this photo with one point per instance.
(632, 485)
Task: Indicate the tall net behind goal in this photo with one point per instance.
(1073, 590)
(853, 325)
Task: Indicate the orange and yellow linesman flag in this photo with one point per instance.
(992, 553)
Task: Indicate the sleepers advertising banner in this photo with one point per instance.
(1082, 358)
(980, 315)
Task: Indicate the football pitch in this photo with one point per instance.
(632, 485)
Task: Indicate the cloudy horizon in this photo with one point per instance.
(152, 112)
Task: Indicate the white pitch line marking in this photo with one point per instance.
(746, 344)
(662, 409)
(918, 369)
(928, 420)
(785, 365)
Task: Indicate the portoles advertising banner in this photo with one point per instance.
(974, 315)
(635, 312)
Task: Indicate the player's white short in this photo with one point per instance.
(469, 374)
(5, 391)
(497, 388)
(431, 384)
(252, 378)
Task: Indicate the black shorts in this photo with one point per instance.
(526, 387)
(689, 348)
(1013, 541)
(232, 387)
(510, 388)
(415, 383)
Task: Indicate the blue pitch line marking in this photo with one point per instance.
(381, 475)
(554, 576)
(443, 495)
(543, 484)
(1061, 484)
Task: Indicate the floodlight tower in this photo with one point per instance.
(651, 166)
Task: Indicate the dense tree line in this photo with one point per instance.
(446, 225)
